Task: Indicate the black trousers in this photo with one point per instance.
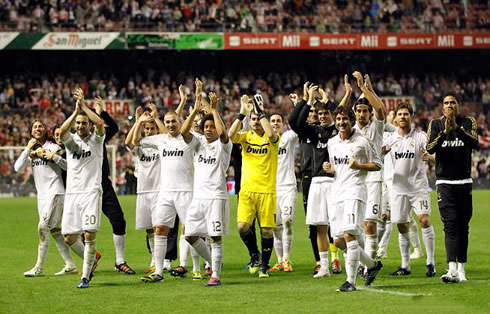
(112, 209)
(456, 207)
(305, 184)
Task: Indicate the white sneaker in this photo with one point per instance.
(34, 272)
(167, 265)
(462, 276)
(417, 253)
(381, 253)
(322, 273)
(66, 270)
(450, 277)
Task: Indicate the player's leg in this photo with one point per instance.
(195, 227)
(323, 244)
(267, 221)
(400, 215)
(182, 201)
(421, 204)
(373, 216)
(278, 234)
(44, 210)
(172, 245)
(305, 184)
(465, 211)
(415, 240)
(287, 219)
(245, 216)
(145, 204)
(312, 218)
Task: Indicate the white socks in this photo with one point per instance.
(119, 244)
(202, 250)
(404, 243)
(159, 253)
(371, 245)
(352, 261)
(78, 247)
(287, 240)
(452, 267)
(461, 267)
(216, 257)
(278, 240)
(63, 248)
(414, 235)
(88, 258)
(195, 259)
(183, 250)
(383, 242)
(324, 260)
(151, 242)
(430, 243)
(42, 249)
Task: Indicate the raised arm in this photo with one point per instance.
(220, 126)
(183, 100)
(467, 132)
(186, 127)
(129, 138)
(21, 162)
(245, 108)
(112, 126)
(259, 110)
(154, 114)
(92, 116)
(66, 126)
(373, 99)
(137, 132)
(348, 92)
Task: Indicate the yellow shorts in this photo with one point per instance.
(260, 205)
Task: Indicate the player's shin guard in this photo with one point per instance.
(287, 240)
(88, 257)
(250, 241)
(278, 243)
(119, 245)
(78, 247)
(201, 249)
(352, 260)
(217, 258)
(160, 251)
(404, 242)
(42, 249)
(267, 244)
(184, 249)
(371, 245)
(63, 248)
(429, 239)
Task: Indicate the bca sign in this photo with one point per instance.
(114, 107)
(391, 102)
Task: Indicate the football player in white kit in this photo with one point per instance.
(148, 174)
(41, 153)
(84, 155)
(209, 213)
(351, 157)
(372, 129)
(286, 191)
(406, 149)
(176, 181)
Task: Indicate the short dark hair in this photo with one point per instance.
(451, 93)
(324, 105)
(363, 101)
(208, 117)
(404, 105)
(347, 111)
(277, 114)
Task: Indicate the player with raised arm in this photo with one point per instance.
(43, 155)
(258, 187)
(352, 156)
(409, 188)
(286, 194)
(84, 155)
(209, 213)
(176, 182)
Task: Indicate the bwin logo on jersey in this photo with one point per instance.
(260, 151)
(39, 162)
(208, 160)
(321, 145)
(406, 154)
(172, 153)
(341, 161)
(82, 154)
(455, 143)
(282, 151)
(149, 158)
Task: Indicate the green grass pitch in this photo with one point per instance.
(240, 292)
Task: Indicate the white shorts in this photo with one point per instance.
(50, 210)
(146, 204)
(170, 204)
(81, 212)
(347, 217)
(374, 201)
(208, 217)
(285, 205)
(385, 208)
(402, 206)
(318, 203)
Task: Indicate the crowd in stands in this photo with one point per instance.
(332, 16)
(26, 96)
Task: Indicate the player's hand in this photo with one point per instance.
(198, 103)
(245, 106)
(48, 155)
(425, 154)
(213, 99)
(385, 149)
(306, 86)
(198, 86)
(311, 93)
(138, 112)
(360, 82)
(323, 95)
(448, 125)
(348, 87)
(182, 93)
(258, 104)
(367, 83)
(353, 164)
(98, 105)
(154, 111)
(145, 117)
(294, 98)
(31, 143)
(39, 152)
(328, 167)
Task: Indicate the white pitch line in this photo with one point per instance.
(405, 294)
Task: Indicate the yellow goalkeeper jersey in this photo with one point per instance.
(259, 162)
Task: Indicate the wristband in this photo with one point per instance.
(261, 115)
(241, 116)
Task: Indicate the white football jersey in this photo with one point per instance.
(210, 165)
(409, 174)
(350, 183)
(148, 169)
(374, 132)
(47, 174)
(84, 163)
(176, 165)
(285, 160)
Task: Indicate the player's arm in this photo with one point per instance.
(348, 92)
(21, 162)
(55, 157)
(374, 163)
(129, 138)
(259, 110)
(467, 132)
(237, 125)
(218, 122)
(186, 127)
(294, 115)
(92, 116)
(112, 126)
(183, 100)
(145, 117)
(366, 88)
(67, 125)
(304, 127)
(435, 137)
(154, 114)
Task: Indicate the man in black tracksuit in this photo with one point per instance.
(452, 138)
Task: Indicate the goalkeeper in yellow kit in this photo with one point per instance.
(258, 186)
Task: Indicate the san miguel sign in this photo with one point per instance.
(422, 41)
